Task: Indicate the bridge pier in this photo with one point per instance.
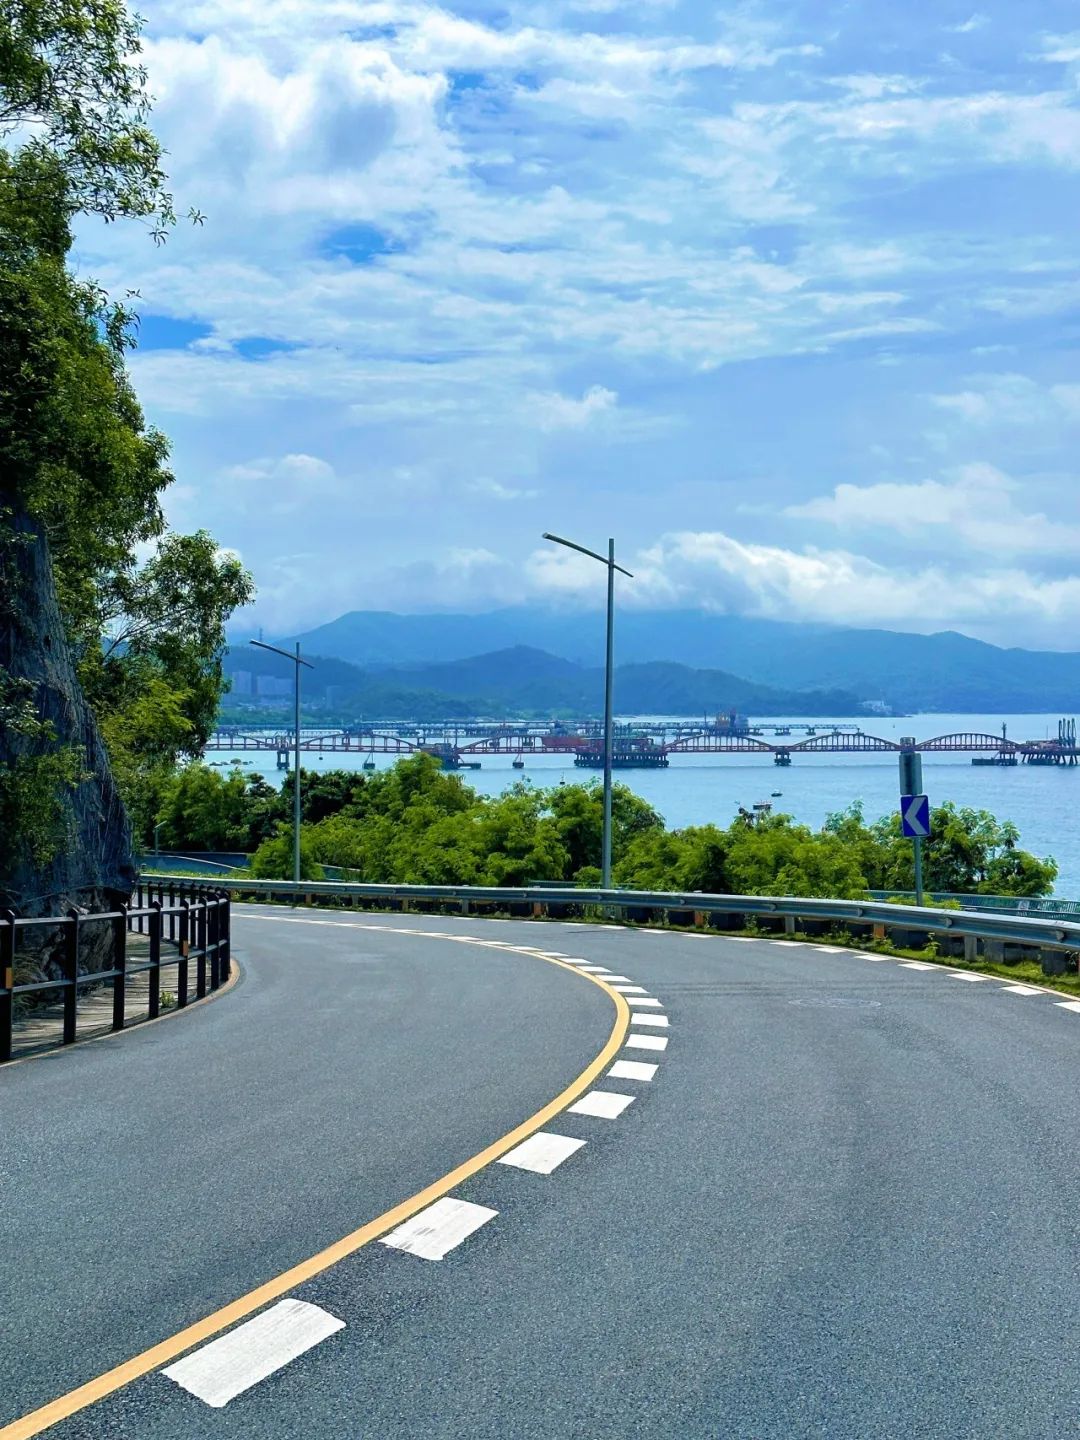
(283, 759)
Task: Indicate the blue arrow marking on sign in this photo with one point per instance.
(915, 816)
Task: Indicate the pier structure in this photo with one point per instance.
(648, 745)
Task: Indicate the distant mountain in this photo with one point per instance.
(946, 671)
(536, 681)
(522, 680)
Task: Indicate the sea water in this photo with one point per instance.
(1042, 801)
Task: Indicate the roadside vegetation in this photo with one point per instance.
(414, 824)
(141, 610)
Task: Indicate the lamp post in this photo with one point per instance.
(295, 658)
(609, 676)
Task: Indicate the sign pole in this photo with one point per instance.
(914, 807)
(917, 842)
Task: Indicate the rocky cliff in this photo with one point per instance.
(93, 867)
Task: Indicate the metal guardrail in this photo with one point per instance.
(1040, 905)
(967, 928)
(194, 919)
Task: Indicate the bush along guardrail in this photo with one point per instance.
(184, 929)
(970, 935)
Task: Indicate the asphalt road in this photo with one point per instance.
(845, 1205)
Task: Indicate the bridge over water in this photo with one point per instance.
(644, 746)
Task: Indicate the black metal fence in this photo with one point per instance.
(185, 930)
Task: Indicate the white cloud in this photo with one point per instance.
(496, 490)
(972, 23)
(714, 570)
(974, 509)
(455, 254)
(1010, 399)
(562, 412)
(280, 486)
(1061, 49)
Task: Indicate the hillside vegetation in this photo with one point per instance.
(413, 824)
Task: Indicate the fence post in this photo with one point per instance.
(185, 945)
(154, 972)
(225, 968)
(200, 946)
(71, 975)
(120, 925)
(172, 912)
(7, 980)
(212, 941)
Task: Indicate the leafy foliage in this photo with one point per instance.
(33, 788)
(77, 457)
(70, 78)
(274, 859)
(415, 824)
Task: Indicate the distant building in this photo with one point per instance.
(269, 687)
(241, 682)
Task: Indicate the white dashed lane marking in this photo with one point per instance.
(917, 965)
(963, 975)
(797, 944)
(605, 1104)
(542, 1152)
(1021, 990)
(632, 1070)
(630, 989)
(233, 1363)
(644, 1000)
(1073, 1005)
(438, 1229)
(649, 1020)
(646, 1042)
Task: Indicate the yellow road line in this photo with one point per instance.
(166, 1350)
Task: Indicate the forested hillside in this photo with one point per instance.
(109, 668)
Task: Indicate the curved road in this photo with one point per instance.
(845, 1202)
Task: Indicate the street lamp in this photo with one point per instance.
(609, 561)
(295, 658)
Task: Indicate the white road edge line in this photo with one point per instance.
(541, 1153)
(632, 1070)
(605, 1104)
(439, 1229)
(236, 1361)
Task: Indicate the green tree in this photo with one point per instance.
(778, 857)
(201, 809)
(578, 811)
(70, 77)
(273, 860)
(968, 852)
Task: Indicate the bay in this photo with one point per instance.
(698, 789)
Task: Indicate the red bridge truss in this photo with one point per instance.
(445, 741)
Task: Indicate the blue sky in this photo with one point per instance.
(783, 294)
